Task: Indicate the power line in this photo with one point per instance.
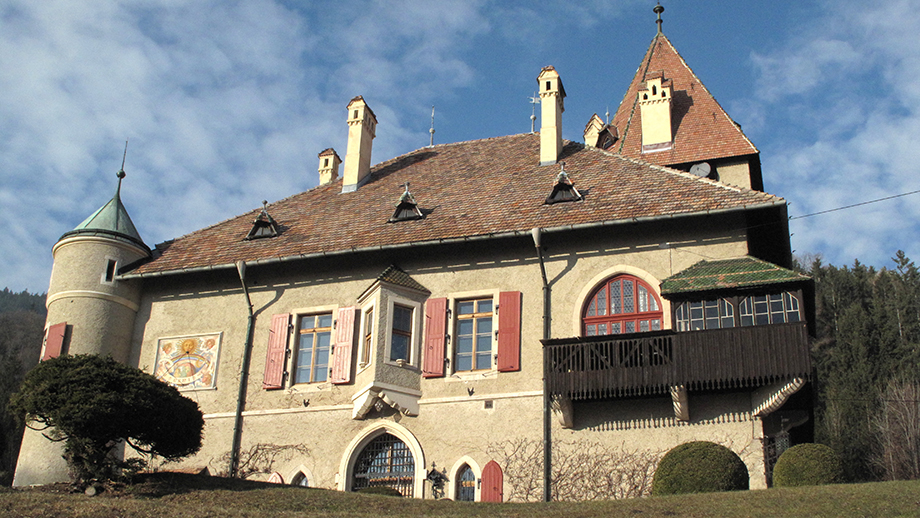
(856, 205)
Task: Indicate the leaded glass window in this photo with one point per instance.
(622, 304)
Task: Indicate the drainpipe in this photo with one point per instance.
(547, 400)
(244, 379)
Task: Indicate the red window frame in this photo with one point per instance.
(626, 312)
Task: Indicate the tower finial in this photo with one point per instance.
(658, 10)
(431, 131)
(121, 172)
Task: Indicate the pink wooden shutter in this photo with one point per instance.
(277, 352)
(509, 331)
(492, 483)
(54, 342)
(435, 337)
(344, 336)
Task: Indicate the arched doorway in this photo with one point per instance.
(385, 461)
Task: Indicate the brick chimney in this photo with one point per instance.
(328, 166)
(362, 126)
(551, 107)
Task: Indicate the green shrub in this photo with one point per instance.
(699, 467)
(379, 490)
(808, 465)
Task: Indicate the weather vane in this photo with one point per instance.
(431, 131)
(534, 101)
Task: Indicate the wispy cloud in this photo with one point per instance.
(840, 101)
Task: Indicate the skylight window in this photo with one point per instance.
(407, 208)
(263, 225)
(564, 189)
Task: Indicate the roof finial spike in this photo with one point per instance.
(121, 172)
(658, 10)
(607, 114)
(534, 101)
(431, 131)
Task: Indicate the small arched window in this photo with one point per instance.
(466, 484)
(300, 480)
(622, 304)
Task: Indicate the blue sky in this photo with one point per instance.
(228, 103)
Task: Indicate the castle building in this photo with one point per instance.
(629, 293)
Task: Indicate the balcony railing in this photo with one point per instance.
(650, 363)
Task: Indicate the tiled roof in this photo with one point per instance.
(467, 189)
(702, 130)
(728, 273)
(394, 275)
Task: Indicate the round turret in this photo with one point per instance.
(90, 311)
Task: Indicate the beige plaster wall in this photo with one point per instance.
(452, 421)
(735, 173)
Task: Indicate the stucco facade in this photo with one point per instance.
(417, 339)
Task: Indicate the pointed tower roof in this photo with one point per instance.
(702, 130)
(112, 219)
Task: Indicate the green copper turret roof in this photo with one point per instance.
(112, 218)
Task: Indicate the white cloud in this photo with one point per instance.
(844, 89)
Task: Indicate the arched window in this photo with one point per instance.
(300, 480)
(386, 461)
(622, 304)
(466, 484)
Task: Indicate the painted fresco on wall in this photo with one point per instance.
(188, 362)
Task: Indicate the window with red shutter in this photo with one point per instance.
(492, 483)
(435, 337)
(344, 336)
(54, 341)
(277, 352)
(509, 331)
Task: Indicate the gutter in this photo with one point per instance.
(244, 380)
(455, 240)
(547, 400)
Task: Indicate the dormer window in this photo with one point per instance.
(407, 208)
(263, 225)
(563, 189)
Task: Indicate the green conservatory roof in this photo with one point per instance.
(728, 273)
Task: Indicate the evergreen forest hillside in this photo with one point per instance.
(867, 357)
(22, 322)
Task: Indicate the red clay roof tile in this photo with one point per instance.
(473, 188)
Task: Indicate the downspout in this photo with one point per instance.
(244, 379)
(547, 400)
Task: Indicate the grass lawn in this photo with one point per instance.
(176, 495)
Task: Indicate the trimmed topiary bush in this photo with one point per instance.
(699, 467)
(808, 465)
(379, 490)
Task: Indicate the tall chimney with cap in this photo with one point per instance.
(362, 126)
(551, 107)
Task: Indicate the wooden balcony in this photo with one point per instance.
(650, 363)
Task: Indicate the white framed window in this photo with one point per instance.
(403, 331)
(474, 337)
(367, 336)
(312, 348)
(111, 270)
(775, 308)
